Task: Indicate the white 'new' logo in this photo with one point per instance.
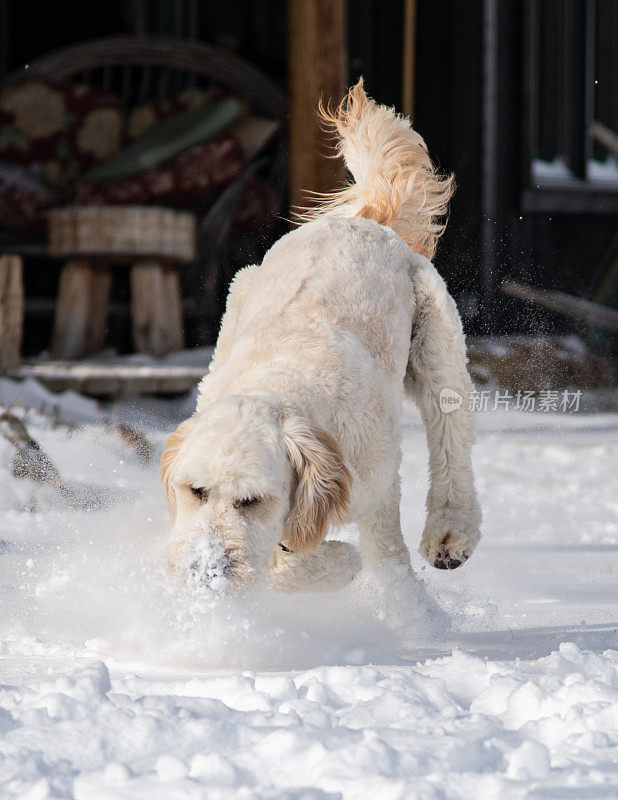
(450, 400)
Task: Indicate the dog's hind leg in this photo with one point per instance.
(438, 381)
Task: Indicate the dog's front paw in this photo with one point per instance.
(448, 546)
(331, 566)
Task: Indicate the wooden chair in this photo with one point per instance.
(152, 241)
(138, 69)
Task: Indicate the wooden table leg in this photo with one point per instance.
(11, 310)
(156, 308)
(81, 309)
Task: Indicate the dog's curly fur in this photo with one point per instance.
(395, 182)
(297, 422)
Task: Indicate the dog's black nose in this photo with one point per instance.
(439, 564)
(214, 575)
(453, 563)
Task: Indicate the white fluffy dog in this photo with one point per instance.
(297, 422)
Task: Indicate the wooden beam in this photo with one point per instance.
(604, 135)
(156, 308)
(105, 380)
(11, 310)
(317, 60)
(562, 303)
(408, 62)
(81, 309)
(490, 175)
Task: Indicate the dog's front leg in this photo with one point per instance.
(381, 542)
(398, 596)
(438, 381)
(331, 566)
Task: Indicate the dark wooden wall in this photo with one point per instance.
(552, 249)
(556, 250)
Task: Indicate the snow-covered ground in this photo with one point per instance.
(110, 687)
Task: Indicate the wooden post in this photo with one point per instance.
(408, 60)
(11, 311)
(317, 62)
(156, 308)
(81, 309)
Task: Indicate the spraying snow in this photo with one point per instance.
(496, 680)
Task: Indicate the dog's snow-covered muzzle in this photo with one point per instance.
(202, 557)
(210, 567)
(241, 477)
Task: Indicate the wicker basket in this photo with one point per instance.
(122, 232)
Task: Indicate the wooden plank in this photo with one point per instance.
(604, 135)
(579, 64)
(105, 380)
(122, 232)
(562, 303)
(492, 102)
(317, 61)
(408, 61)
(11, 310)
(156, 309)
(81, 309)
(582, 199)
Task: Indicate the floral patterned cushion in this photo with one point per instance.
(62, 127)
(190, 179)
(52, 132)
(145, 115)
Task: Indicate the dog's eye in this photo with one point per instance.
(246, 501)
(200, 493)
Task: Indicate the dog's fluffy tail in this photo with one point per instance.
(395, 182)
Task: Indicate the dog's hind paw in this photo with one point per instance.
(447, 546)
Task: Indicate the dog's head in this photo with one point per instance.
(243, 476)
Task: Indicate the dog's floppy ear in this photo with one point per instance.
(323, 489)
(168, 459)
